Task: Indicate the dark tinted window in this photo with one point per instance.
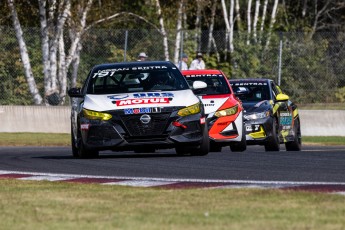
(251, 91)
(216, 84)
(112, 81)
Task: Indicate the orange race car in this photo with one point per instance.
(224, 111)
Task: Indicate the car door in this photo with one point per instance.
(283, 110)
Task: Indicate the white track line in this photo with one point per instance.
(73, 176)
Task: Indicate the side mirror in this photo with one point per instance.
(282, 97)
(199, 85)
(75, 92)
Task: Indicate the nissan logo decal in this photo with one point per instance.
(145, 119)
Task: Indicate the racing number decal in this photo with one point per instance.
(285, 120)
(251, 128)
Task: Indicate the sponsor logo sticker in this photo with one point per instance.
(141, 101)
(149, 95)
(118, 96)
(142, 110)
(202, 120)
(84, 126)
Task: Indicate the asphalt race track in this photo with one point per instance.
(324, 164)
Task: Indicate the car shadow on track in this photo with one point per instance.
(119, 155)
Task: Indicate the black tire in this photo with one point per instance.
(204, 147)
(296, 144)
(79, 150)
(239, 146)
(273, 143)
(84, 152)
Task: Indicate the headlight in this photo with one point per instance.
(93, 115)
(190, 110)
(227, 112)
(257, 115)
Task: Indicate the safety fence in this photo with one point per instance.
(309, 70)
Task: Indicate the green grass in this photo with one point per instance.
(64, 139)
(322, 106)
(62, 205)
(324, 140)
(35, 139)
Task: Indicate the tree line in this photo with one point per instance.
(249, 34)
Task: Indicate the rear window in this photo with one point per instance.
(113, 81)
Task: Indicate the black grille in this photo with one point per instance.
(156, 126)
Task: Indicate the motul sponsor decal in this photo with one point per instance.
(140, 101)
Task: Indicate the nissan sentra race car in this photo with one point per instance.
(140, 106)
(223, 110)
(270, 117)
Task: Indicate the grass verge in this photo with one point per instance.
(324, 140)
(62, 205)
(35, 139)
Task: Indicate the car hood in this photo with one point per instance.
(212, 103)
(108, 102)
(256, 107)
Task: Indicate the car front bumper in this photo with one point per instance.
(129, 133)
(258, 130)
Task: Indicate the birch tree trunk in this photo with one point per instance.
(232, 25)
(78, 31)
(263, 18)
(210, 30)
(238, 16)
(256, 19)
(165, 36)
(227, 26)
(75, 66)
(62, 74)
(24, 55)
(178, 32)
(318, 14)
(272, 21)
(63, 13)
(198, 25)
(45, 44)
(249, 21)
(304, 9)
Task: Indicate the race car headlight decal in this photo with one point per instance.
(190, 110)
(255, 116)
(227, 112)
(93, 115)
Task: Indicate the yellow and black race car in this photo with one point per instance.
(270, 118)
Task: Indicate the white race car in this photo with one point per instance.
(140, 106)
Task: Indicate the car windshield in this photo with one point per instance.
(108, 81)
(251, 92)
(216, 84)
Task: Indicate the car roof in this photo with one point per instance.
(202, 72)
(133, 64)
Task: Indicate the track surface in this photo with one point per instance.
(314, 164)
